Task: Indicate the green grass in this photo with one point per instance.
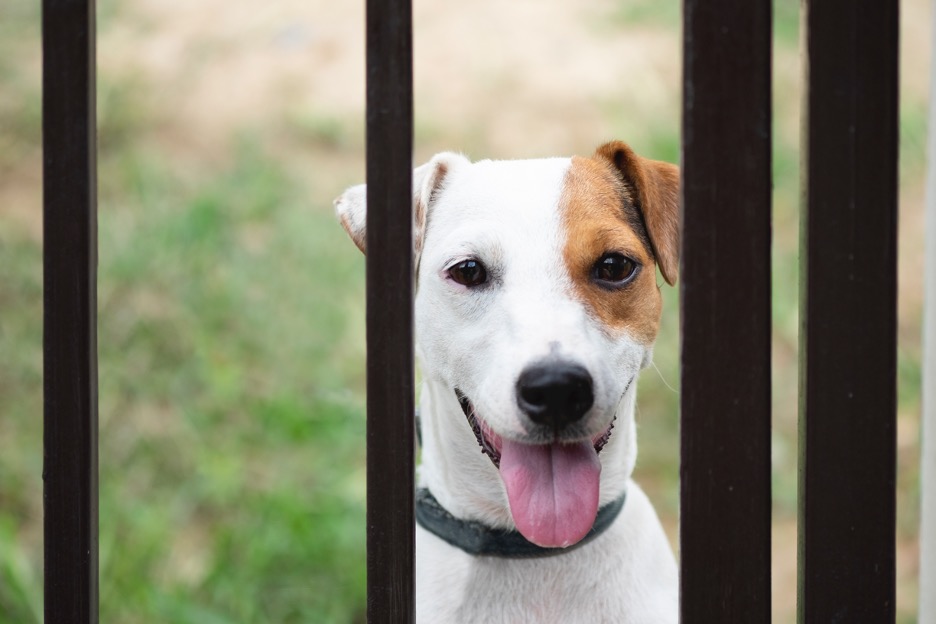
(20, 433)
(231, 439)
(236, 483)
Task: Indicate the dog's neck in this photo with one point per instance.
(465, 481)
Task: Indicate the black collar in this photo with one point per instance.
(476, 538)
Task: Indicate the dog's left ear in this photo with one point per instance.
(657, 187)
(351, 206)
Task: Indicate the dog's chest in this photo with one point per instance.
(585, 586)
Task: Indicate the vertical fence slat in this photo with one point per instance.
(70, 312)
(390, 427)
(725, 307)
(849, 313)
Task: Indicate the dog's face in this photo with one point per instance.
(537, 305)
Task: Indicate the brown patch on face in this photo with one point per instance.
(600, 217)
(657, 198)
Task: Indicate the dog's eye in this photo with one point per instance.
(468, 273)
(614, 269)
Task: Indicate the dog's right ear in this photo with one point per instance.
(428, 181)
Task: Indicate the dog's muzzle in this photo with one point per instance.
(552, 486)
(490, 442)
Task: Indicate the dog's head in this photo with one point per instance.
(537, 305)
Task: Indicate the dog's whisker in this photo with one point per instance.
(662, 378)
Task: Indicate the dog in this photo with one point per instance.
(537, 306)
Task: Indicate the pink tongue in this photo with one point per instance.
(552, 490)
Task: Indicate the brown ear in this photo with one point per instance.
(657, 187)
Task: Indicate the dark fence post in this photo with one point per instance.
(725, 395)
(70, 312)
(390, 428)
(849, 313)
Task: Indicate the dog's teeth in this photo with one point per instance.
(475, 425)
(600, 443)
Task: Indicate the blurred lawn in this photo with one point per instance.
(231, 304)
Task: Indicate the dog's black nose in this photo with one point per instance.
(555, 394)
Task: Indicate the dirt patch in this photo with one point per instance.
(535, 76)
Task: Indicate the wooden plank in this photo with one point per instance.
(725, 306)
(70, 312)
(390, 384)
(849, 313)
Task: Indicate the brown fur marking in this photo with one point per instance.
(595, 207)
(657, 186)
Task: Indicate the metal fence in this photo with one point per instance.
(70, 311)
(848, 313)
(725, 393)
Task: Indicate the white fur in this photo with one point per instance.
(507, 214)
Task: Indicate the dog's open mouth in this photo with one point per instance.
(491, 443)
(552, 488)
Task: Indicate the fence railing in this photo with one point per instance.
(391, 529)
(725, 317)
(70, 482)
(848, 313)
(848, 334)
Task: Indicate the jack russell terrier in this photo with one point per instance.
(537, 306)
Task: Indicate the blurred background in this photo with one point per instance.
(231, 303)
